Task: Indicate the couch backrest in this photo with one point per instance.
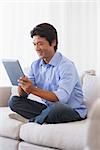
(5, 93)
(91, 89)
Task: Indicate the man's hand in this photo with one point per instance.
(25, 84)
(21, 91)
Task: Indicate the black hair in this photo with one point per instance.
(47, 31)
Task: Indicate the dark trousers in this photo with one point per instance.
(37, 112)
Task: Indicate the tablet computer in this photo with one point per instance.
(13, 70)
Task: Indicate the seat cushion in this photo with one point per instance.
(8, 144)
(27, 146)
(64, 136)
(8, 127)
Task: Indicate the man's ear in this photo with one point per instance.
(53, 43)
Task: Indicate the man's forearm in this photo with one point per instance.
(27, 86)
(50, 96)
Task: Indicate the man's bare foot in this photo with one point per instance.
(18, 117)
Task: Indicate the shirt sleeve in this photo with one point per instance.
(67, 82)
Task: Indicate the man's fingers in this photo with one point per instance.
(22, 82)
(23, 79)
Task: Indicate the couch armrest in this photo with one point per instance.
(5, 93)
(93, 139)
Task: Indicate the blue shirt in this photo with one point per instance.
(60, 77)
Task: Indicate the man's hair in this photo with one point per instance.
(46, 31)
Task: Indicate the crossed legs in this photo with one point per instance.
(29, 109)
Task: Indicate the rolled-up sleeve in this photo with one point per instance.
(67, 81)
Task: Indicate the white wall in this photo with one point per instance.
(77, 23)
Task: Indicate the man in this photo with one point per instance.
(54, 79)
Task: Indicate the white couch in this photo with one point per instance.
(15, 135)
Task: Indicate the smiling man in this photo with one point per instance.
(53, 78)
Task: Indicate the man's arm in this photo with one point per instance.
(26, 86)
(50, 96)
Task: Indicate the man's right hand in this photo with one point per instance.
(21, 91)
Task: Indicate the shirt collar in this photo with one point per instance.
(54, 61)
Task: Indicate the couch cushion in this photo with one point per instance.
(91, 89)
(63, 136)
(4, 97)
(8, 144)
(93, 140)
(8, 127)
(27, 146)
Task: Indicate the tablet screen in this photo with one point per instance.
(13, 70)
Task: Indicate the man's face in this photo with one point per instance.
(43, 48)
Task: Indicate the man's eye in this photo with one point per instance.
(34, 44)
(40, 44)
